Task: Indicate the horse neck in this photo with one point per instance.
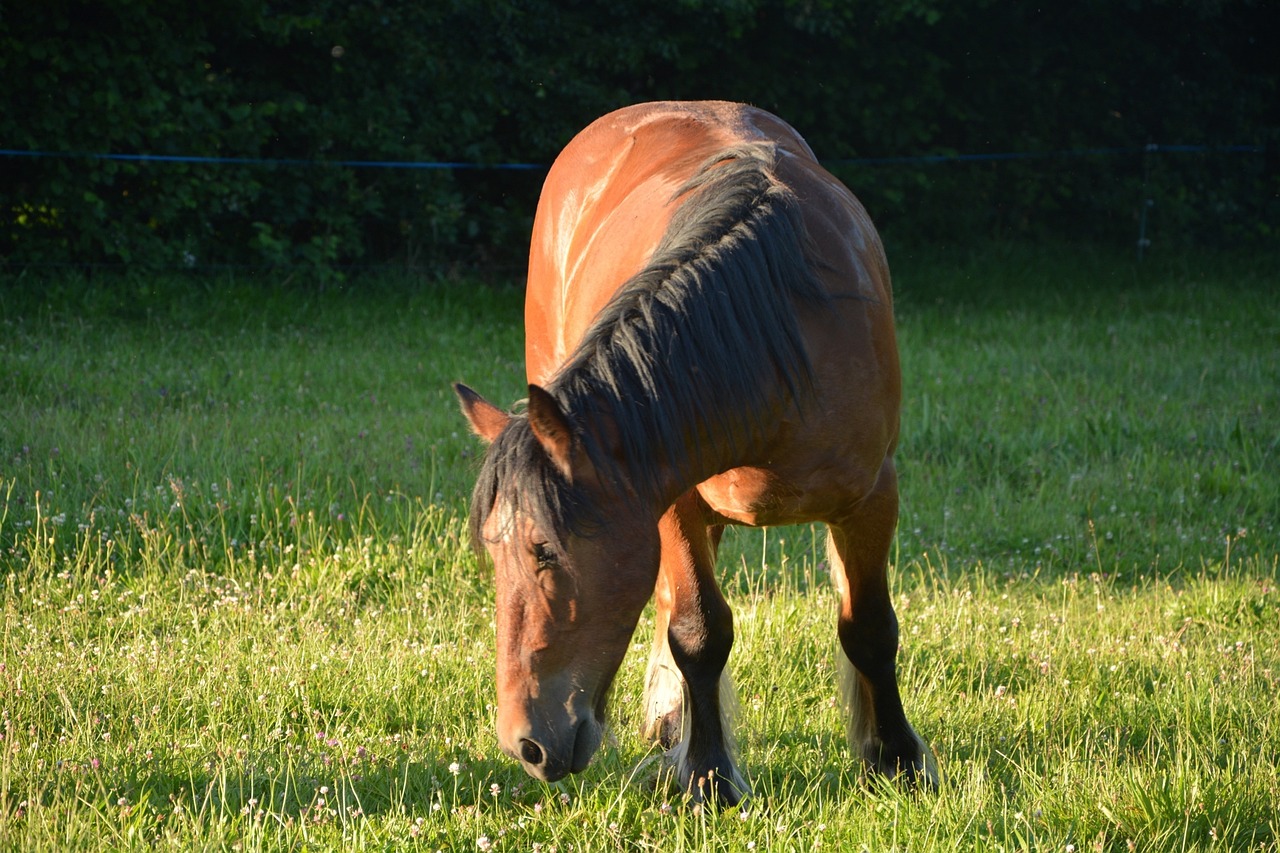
(663, 464)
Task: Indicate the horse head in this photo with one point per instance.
(574, 564)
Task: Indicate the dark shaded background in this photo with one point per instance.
(491, 82)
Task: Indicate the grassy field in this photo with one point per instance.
(240, 611)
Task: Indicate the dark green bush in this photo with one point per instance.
(493, 81)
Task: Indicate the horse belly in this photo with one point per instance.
(818, 466)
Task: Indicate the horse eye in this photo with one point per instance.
(545, 557)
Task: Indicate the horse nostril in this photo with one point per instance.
(530, 752)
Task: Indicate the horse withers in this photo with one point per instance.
(709, 341)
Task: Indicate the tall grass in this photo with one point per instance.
(240, 610)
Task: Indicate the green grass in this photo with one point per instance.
(240, 611)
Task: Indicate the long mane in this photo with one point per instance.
(692, 346)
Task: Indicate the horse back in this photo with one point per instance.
(606, 204)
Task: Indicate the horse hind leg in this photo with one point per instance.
(876, 723)
(688, 698)
(664, 690)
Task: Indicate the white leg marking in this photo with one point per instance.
(663, 692)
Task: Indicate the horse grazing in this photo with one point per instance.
(709, 341)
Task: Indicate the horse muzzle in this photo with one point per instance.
(549, 754)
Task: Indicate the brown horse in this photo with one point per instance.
(709, 341)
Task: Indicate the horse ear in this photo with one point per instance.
(551, 427)
(486, 419)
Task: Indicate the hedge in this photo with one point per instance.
(489, 82)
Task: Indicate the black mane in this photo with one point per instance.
(691, 345)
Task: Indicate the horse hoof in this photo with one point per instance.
(913, 769)
(717, 791)
(663, 730)
(923, 772)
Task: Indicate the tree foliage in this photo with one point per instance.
(500, 81)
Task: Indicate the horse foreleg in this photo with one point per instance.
(687, 693)
(877, 727)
